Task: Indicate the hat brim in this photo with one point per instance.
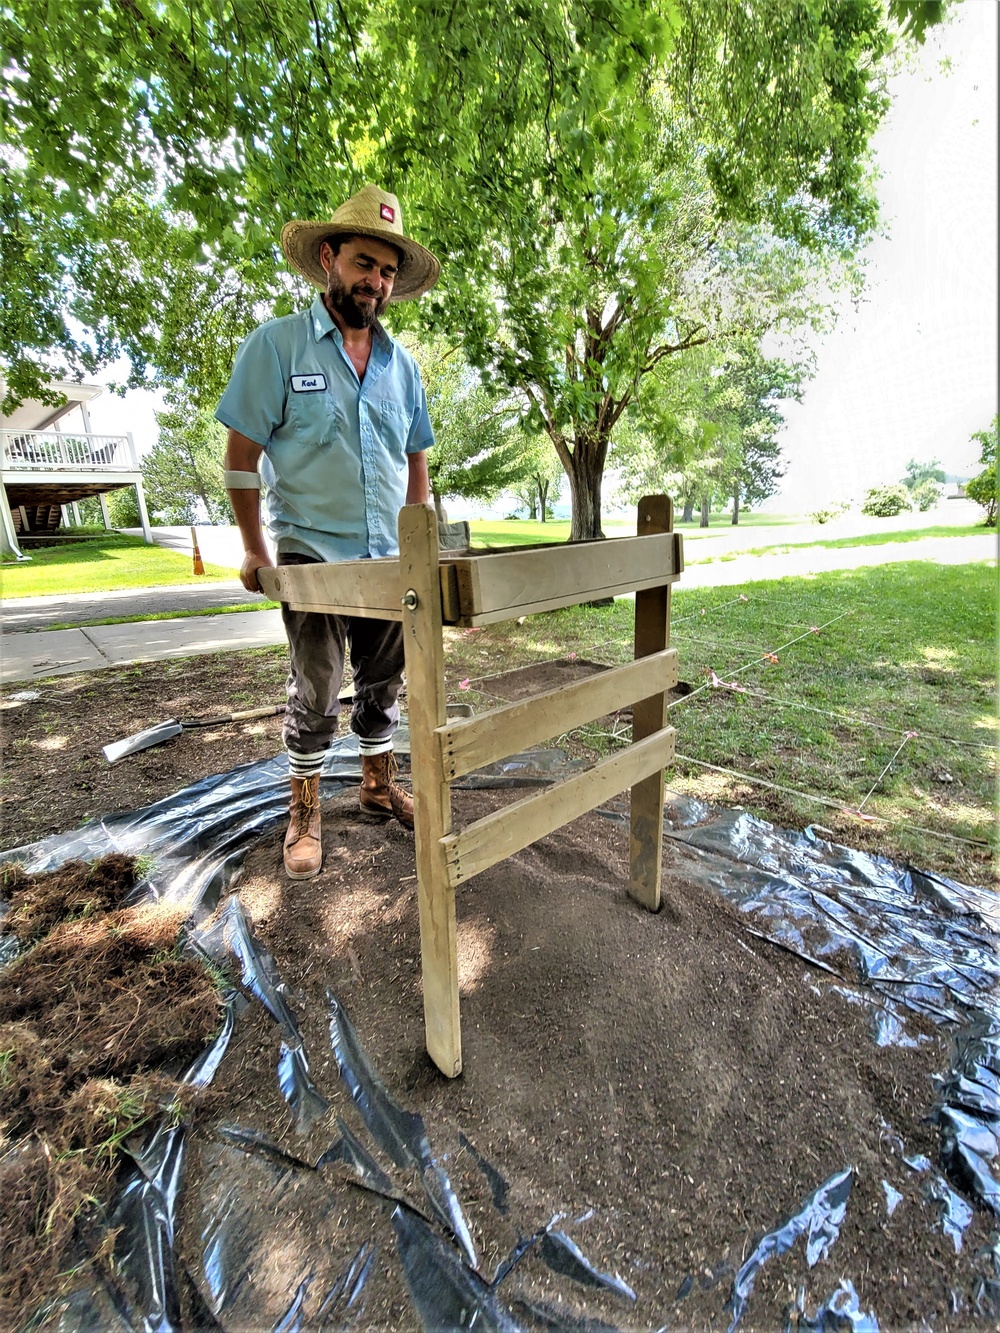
(418, 270)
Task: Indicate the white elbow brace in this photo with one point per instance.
(242, 481)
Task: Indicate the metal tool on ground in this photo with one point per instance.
(167, 731)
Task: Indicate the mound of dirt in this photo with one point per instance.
(96, 1013)
(687, 1081)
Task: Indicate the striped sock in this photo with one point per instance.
(367, 748)
(305, 765)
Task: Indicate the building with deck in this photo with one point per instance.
(48, 463)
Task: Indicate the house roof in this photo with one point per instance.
(33, 415)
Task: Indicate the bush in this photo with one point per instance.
(828, 515)
(886, 501)
(983, 489)
(926, 495)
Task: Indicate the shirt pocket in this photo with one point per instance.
(392, 421)
(317, 417)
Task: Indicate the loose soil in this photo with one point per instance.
(97, 1017)
(685, 1080)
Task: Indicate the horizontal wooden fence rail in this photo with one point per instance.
(477, 741)
(516, 826)
(503, 585)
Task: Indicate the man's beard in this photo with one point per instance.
(355, 314)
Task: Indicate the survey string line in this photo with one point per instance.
(813, 629)
(908, 737)
(859, 721)
(827, 801)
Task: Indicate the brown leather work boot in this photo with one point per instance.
(380, 793)
(303, 850)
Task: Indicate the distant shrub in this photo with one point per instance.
(886, 501)
(829, 514)
(926, 495)
(983, 489)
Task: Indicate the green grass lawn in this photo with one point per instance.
(106, 563)
(101, 564)
(862, 539)
(863, 658)
(529, 532)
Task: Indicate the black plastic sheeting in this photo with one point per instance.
(895, 939)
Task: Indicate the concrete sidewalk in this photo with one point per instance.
(25, 657)
(60, 652)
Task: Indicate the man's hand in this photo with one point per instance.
(252, 561)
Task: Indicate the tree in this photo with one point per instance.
(761, 383)
(918, 473)
(479, 449)
(581, 168)
(183, 473)
(983, 488)
(719, 443)
(540, 486)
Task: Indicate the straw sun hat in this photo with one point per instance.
(370, 212)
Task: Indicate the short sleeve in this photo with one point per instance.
(254, 400)
(421, 434)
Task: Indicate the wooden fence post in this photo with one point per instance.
(427, 705)
(652, 635)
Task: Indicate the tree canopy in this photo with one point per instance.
(584, 171)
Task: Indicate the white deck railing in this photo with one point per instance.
(48, 450)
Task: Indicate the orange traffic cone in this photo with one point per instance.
(199, 568)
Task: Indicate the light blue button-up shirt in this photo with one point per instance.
(335, 448)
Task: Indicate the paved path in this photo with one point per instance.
(33, 656)
(21, 614)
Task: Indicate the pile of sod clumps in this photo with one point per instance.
(99, 1017)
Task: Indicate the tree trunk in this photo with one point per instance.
(438, 508)
(585, 488)
(736, 506)
(688, 513)
(543, 491)
(705, 502)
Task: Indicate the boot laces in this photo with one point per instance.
(307, 804)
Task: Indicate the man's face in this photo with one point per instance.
(359, 278)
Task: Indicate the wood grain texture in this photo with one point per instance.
(652, 636)
(427, 701)
(507, 831)
(468, 745)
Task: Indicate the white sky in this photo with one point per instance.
(914, 371)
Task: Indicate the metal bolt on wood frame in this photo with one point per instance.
(426, 591)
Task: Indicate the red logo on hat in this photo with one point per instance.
(388, 214)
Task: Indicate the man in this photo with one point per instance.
(336, 410)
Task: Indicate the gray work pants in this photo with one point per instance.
(316, 651)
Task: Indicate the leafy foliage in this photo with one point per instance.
(983, 488)
(926, 495)
(721, 440)
(918, 473)
(479, 447)
(607, 184)
(183, 473)
(886, 501)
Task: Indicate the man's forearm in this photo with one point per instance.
(418, 486)
(246, 511)
(242, 457)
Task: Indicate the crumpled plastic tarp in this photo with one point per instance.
(897, 939)
(890, 936)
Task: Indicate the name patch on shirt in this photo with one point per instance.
(308, 383)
